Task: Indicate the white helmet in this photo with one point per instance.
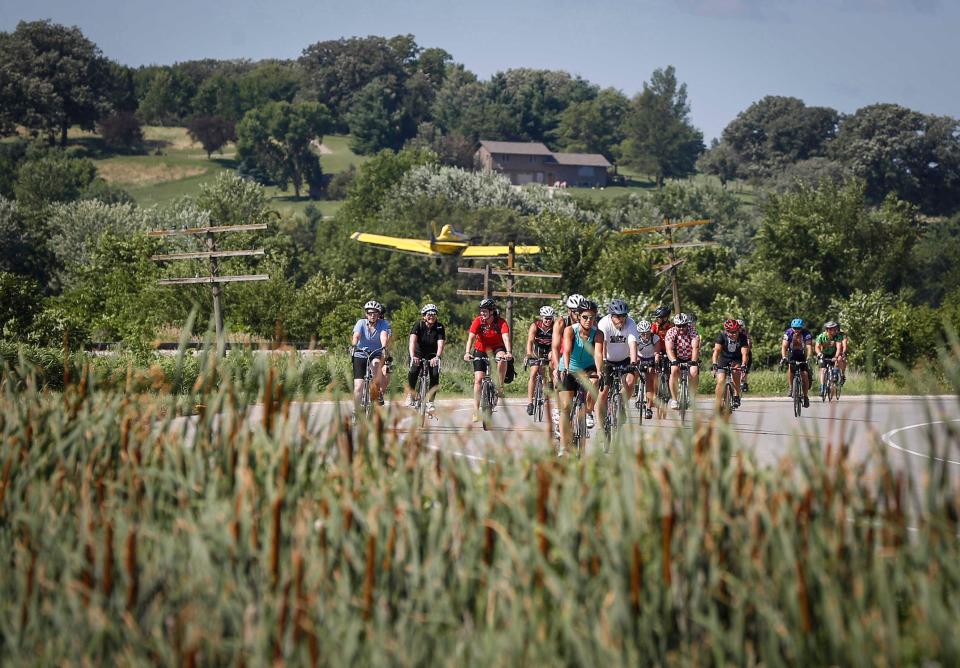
(428, 308)
(573, 301)
(681, 319)
(373, 304)
(643, 327)
(547, 312)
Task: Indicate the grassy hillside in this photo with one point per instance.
(174, 166)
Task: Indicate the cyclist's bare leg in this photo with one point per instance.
(380, 378)
(357, 390)
(477, 381)
(694, 376)
(674, 379)
(721, 384)
(566, 399)
(651, 387)
(592, 394)
(534, 370)
(501, 371)
(737, 378)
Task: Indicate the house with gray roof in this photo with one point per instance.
(532, 162)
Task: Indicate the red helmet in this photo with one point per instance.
(731, 326)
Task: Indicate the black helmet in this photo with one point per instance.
(488, 304)
(662, 312)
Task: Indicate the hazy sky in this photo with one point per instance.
(838, 53)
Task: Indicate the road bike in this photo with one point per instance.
(683, 388)
(663, 388)
(831, 380)
(727, 405)
(423, 389)
(488, 393)
(538, 393)
(366, 405)
(640, 391)
(796, 388)
(578, 419)
(616, 413)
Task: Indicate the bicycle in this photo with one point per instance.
(538, 394)
(366, 406)
(640, 391)
(663, 388)
(423, 389)
(578, 419)
(616, 413)
(726, 399)
(796, 389)
(683, 388)
(831, 387)
(488, 393)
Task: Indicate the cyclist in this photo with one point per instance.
(539, 347)
(797, 345)
(744, 386)
(427, 339)
(488, 333)
(559, 325)
(662, 323)
(649, 353)
(831, 347)
(369, 334)
(732, 348)
(682, 344)
(582, 358)
(619, 348)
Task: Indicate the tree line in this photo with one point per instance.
(388, 93)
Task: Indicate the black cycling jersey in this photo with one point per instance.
(427, 338)
(543, 335)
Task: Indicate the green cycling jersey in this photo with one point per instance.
(828, 344)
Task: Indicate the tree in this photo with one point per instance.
(218, 96)
(593, 126)
(277, 138)
(52, 77)
(374, 118)
(167, 99)
(658, 135)
(720, 160)
(213, 132)
(268, 82)
(53, 177)
(122, 131)
(336, 71)
(23, 243)
(776, 131)
(898, 150)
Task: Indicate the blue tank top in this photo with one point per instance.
(581, 357)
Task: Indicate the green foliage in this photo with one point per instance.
(23, 243)
(903, 152)
(20, 300)
(212, 132)
(166, 100)
(54, 78)
(324, 309)
(340, 183)
(594, 126)
(778, 131)
(75, 229)
(658, 135)
(570, 247)
(53, 177)
(122, 132)
(375, 119)
(277, 138)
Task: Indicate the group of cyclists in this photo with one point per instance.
(582, 349)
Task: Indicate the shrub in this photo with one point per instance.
(122, 132)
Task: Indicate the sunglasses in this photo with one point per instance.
(587, 317)
(373, 312)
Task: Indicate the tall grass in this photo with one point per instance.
(245, 537)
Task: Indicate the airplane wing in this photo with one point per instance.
(415, 246)
(475, 252)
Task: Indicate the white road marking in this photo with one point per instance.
(886, 438)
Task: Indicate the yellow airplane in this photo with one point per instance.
(448, 243)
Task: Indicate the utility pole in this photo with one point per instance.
(213, 254)
(673, 263)
(509, 274)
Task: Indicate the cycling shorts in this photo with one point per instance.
(574, 380)
(480, 360)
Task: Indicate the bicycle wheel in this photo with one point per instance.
(684, 396)
(580, 430)
(797, 394)
(424, 389)
(726, 405)
(538, 398)
(836, 383)
(614, 415)
(487, 397)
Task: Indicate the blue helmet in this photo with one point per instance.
(797, 323)
(618, 307)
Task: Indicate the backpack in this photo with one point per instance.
(511, 373)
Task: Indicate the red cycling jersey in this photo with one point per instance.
(489, 337)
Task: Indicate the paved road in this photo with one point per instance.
(912, 428)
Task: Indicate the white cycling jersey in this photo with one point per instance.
(616, 340)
